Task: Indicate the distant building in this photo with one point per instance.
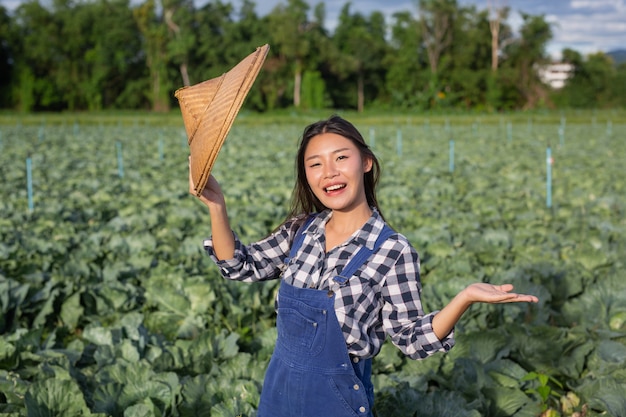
(556, 74)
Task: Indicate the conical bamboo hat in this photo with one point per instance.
(209, 109)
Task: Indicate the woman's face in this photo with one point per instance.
(334, 171)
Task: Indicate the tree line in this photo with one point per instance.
(113, 54)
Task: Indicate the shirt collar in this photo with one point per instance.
(365, 236)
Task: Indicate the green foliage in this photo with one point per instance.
(55, 397)
(110, 54)
(545, 387)
(596, 82)
(109, 307)
(313, 90)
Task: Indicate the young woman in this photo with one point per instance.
(347, 281)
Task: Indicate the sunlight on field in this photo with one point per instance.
(106, 289)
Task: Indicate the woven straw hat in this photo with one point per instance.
(209, 109)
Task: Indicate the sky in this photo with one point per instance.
(587, 26)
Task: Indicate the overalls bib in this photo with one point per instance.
(311, 373)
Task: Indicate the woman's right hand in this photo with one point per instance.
(211, 193)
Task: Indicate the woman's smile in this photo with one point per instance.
(336, 187)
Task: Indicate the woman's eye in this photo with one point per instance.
(340, 157)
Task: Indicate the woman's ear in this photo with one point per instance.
(367, 164)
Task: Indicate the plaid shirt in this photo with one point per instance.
(382, 298)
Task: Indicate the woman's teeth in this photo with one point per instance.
(335, 187)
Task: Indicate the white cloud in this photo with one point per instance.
(618, 5)
(10, 4)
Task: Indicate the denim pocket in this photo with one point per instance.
(302, 329)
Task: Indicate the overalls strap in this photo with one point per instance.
(297, 241)
(363, 255)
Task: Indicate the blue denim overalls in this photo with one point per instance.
(311, 373)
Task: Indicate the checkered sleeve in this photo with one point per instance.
(259, 261)
(403, 317)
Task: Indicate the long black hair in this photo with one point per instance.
(303, 201)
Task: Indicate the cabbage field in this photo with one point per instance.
(109, 307)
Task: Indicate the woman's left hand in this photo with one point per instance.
(488, 293)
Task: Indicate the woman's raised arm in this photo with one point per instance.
(213, 198)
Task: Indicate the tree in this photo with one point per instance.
(36, 56)
(361, 45)
(247, 31)
(154, 36)
(497, 15)
(71, 74)
(436, 20)
(618, 92)
(314, 80)
(116, 58)
(406, 63)
(211, 57)
(178, 15)
(591, 85)
(464, 71)
(291, 34)
(243, 35)
(8, 41)
(105, 55)
(524, 56)
(501, 35)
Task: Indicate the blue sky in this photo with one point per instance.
(584, 25)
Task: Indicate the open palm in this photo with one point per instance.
(489, 293)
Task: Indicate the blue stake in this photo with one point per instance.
(399, 143)
(549, 177)
(29, 183)
(451, 155)
(120, 161)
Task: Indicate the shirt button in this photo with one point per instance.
(356, 387)
(355, 360)
(362, 409)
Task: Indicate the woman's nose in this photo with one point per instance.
(330, 171)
